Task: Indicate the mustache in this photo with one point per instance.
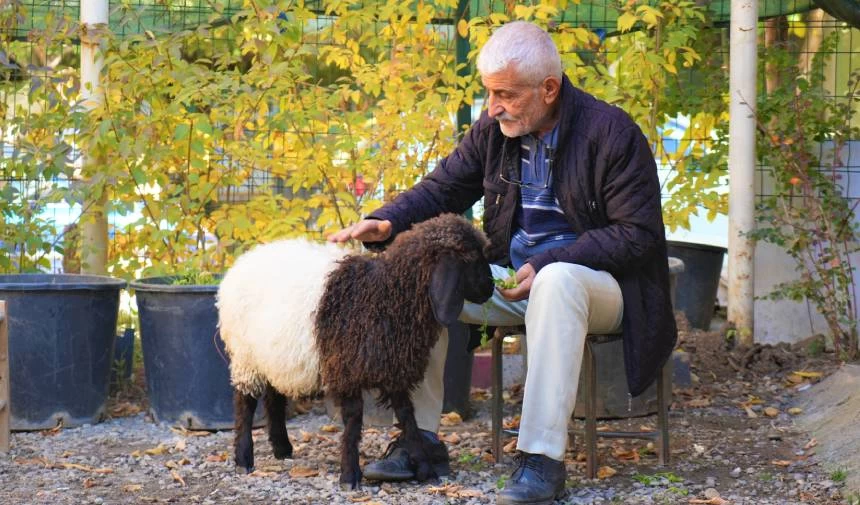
(505, 117)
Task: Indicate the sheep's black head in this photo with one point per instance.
(461, 270)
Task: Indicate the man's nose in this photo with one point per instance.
(494, 108)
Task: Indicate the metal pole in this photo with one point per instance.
(742, 131)
(94, 227)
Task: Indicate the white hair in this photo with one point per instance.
(526, 46)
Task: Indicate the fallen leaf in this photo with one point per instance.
(217, 458)
(624, 455)
(604, 472)
(89, 482)
(330, 428)
(771, 411)
(451, 438)
(178, 478)
(750, 413)
(180, 445)
(262, 473)
(795, 411)
(710, 501)
(451, 419)
(300, 472)
(808, 375)
(809, 445)
(33, 461)
(190, 433)
(132, 488)
(53, 431)
(304, 436)
(510, 446)
(455, 491)
(359, 499)
(780, 462)
(156, 451)
(699, 403)
(795, 379)
(85, 468)
(512, 423)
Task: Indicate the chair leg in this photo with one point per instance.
(498, 404)
(590, 371)
(664, 394)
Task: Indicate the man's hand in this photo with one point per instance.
(525, 277)
(366, 230)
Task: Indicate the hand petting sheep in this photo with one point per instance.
(294, 315)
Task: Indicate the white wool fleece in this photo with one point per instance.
(265, 310)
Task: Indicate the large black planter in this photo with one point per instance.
(697, 289)
(186, 367)
(62, 329)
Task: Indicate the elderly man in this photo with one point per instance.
(572, 202)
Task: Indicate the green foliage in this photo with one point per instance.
(508, 282)
(35, 110)
(803, 132)
(193, 118)
(196, 278)
(839, 475)
(656, 478)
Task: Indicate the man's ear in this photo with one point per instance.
(551, 88)
(446, 290)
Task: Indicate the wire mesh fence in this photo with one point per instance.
(298, 110)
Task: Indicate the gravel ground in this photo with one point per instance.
(733, 442)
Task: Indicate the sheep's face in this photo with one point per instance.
(478, 284)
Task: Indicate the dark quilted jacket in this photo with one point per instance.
(605, 179)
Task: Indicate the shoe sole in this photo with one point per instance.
(550, 501)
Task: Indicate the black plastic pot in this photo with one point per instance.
(186, 366)
(696, 291)
(62, 329)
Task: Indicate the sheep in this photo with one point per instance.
(346, 323)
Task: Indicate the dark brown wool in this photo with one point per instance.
(374, 325)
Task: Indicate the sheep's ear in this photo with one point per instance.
(446, 290)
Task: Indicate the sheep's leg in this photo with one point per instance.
(411, 438)
(243, 443)
(276, 412)
(352, 411)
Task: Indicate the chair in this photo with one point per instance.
(4, 379)
(589, 383)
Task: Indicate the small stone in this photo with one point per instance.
(711, 493)
(736, 472)
(710, 482)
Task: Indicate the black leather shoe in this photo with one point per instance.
(538, 480)
(395, 464)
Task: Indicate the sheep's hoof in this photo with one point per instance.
(426, 473)
(350, 481)
(282, 452)
(244, 470)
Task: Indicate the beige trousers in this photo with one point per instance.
(566, 303)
